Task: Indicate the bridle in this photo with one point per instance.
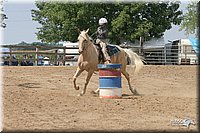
(84, 47)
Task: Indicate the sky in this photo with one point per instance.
(20, 26)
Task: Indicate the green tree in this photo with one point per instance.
(2, 15)
(127, 21)
(146, 19)
(189, 23)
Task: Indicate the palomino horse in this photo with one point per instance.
(88, 60)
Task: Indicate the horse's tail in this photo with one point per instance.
(135, 60)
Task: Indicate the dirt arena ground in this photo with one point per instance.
(43, 98)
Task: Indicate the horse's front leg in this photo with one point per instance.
(96, 91)
(86, 83)
(133, 90)
(78, 72)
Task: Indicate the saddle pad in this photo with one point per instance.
(112, 50)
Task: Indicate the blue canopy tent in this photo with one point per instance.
(195, 45)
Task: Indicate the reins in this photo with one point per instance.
(84, 48)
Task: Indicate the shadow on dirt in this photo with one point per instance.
(30, 85)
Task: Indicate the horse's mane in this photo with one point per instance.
(85, 35)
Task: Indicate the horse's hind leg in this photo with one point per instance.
(129, 84)
(86, 83)
(78, 72)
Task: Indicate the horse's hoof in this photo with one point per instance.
(135, 93)
(80, 94)
(94, 92)
(77, 88)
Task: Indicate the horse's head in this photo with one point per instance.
(83, 41)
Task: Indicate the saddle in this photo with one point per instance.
(111, 50)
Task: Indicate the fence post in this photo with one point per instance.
(165, 55)
(141, 46)
(64, 51)
(56, 62)
(36, 56)
(10, 59)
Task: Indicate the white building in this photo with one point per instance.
(73, 51)
(187, 52)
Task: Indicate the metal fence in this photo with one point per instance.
(170, 55)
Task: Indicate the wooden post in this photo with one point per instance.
(36, 56)
(10, 59)
(56, 62)
(64, 51)
(141, 46)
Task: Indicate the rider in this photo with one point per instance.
(102, 38)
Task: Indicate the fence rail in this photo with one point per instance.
(53, 51)
(165, 55)
(170, 55)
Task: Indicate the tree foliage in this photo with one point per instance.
(2, 15)
(189, 23)
(127, 21)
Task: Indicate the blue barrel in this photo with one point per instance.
(110, 80)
